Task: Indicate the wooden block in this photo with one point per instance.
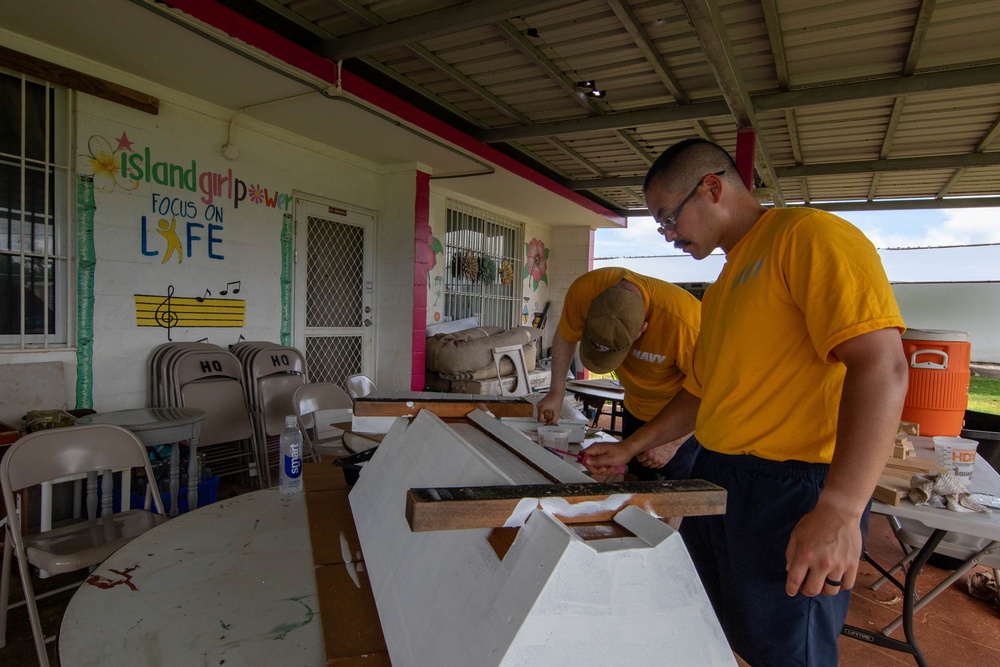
(459, 508)
(890, 490)
(909, 428)
(903, 448)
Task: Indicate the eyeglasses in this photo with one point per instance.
(669, 223)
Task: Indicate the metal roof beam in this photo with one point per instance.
(617, 121)
(969, 77)
(830, 169)
(436, 23)
(906, 204)
(649, 51)
(847, 92)
(711, 30)
(892, 165)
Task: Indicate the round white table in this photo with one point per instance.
(231, 583)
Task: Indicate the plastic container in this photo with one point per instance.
(553, 436)
(939, 380)
(208, 491)
(290, 458)
(957, 456)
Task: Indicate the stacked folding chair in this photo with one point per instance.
(205, 376)
(271, 374)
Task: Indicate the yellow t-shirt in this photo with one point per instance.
(659, 360)
(798, 284)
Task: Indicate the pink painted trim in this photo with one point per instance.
(421, 269)
(225, 19)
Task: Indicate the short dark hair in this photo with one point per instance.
(695, 154)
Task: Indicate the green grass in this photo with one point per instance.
(984, 395)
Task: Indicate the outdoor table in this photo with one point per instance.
(942, 521)
(163, 426)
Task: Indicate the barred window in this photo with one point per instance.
(484, 261)
(34, 173)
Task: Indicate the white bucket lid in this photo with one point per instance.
(936, 334)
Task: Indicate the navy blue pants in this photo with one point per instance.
(678, 467)
(740, 557)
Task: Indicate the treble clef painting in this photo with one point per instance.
(164, 315)
(172, 312)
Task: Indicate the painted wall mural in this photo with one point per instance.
(536, 263)
(434, 278)
(186, 219)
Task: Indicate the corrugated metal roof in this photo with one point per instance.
(851, 99)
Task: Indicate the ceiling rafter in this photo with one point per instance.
(435, 23)
(711, 29)
(523, 44)
(834, 168)
(909, 67)
(365, 14)
(987, 139)
(971, 77)
(634, 28)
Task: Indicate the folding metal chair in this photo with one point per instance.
(63, 455)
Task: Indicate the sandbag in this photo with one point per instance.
(490, 372)
(470, 350)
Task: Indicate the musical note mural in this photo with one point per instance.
(170, 311)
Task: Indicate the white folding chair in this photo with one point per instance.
(321, 397)
(359, 385)
(63, 454)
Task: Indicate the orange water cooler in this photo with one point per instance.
(939, 380)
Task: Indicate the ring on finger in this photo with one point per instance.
(835, 583)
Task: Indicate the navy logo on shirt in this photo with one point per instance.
(648, 356)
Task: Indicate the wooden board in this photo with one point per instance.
(459, 508)
(443, 407)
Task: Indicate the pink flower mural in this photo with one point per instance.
(537, 263)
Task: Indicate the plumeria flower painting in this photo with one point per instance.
(104, 162)
(537, 263)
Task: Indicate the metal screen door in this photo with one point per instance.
(339, 291)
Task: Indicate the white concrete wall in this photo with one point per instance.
(573, 250)
(394, 249)
(243, 245)
(970, 307)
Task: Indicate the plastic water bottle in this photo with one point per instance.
(290, 475)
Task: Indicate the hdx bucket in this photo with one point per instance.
(939, 380)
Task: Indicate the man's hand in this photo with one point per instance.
(657, 457)
(550, 407)
(605, 458)
(824, 549)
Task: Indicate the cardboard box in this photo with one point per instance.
(352, 632)
(8, 434)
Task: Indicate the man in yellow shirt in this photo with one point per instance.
(642, 328)
(796, 390)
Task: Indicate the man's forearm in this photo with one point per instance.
(674, 421)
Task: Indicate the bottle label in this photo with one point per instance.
(293, 462)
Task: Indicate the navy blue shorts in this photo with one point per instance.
(678, 467)
(740, 557)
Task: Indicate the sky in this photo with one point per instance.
(897, 234)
